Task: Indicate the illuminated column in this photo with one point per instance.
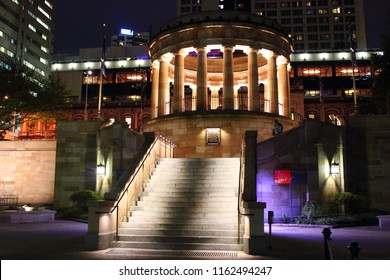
(237, 102)
(163, 87)
(201, 82)
(214, 98)
(283, 86)
(193, 87)
(228, 79)
(178, 86)
(155, 85)
(272, 84)
(253, 81)
(289, 68)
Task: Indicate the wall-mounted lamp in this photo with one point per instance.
(335, 168)
(101, 169)
(213, 136)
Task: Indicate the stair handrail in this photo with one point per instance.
(240, 188)
(134, 178)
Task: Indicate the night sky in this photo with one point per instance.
(79, 23)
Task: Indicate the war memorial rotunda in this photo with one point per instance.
(207, 72)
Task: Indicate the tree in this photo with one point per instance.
(25, 94)
(381, 78)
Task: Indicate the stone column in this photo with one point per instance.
(201, 82)
(155, 85)
(228, 79)
(214, 98)
(272, 82)
(237, 102)
(283, 86)
(193, 107)
(163, 87)
(253, 81)
(254, 241)
(178, 86)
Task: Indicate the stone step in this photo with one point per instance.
(177, 232)
(152, 208)
(165, 225)
(210, 199)
(177, 246)
(187, 204)
(188, 194)
(182, 220)
(175, 215)
(178, 239)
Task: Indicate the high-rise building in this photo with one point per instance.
(128, 37)
(26, 32)
(312, 24)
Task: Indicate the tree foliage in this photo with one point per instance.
(25, 94)
(381, 78)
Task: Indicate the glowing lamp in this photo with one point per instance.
(101, 169)
(334, 168)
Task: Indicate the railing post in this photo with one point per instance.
(327, 252)
(354, 249)
(254, 240)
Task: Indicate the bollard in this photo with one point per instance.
(327, 232)
(354, 249)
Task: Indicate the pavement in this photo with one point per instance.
(64, 240)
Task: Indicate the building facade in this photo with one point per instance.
(26, 32)
(312, 24)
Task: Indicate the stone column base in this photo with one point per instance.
(255, 245)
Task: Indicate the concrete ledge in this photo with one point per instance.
(384, 222)
(28, 216)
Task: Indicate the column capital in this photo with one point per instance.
(281, 60)
(268, 54)
(156, 64)
(249, 50)
(228, 48)
(182, 52)
(166, 57)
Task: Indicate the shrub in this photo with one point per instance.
(354, 204)
(311, 209)
(82, 197)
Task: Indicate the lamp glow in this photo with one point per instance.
(334, 168)
(101, 170)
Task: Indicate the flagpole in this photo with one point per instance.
(99, 113)
(353, 62)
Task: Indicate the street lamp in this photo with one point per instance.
(86, 96)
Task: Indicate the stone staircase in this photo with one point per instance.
(187, 204)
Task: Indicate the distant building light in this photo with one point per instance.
(128, 32)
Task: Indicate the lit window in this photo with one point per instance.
(128, 121)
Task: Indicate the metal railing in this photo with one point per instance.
(160, 148)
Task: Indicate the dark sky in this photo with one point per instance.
(79, 22)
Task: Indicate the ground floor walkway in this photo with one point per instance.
(64, 240)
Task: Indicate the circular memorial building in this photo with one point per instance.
(215, 76)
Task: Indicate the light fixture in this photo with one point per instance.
(335, 168)
(101, 169)
(213, 136)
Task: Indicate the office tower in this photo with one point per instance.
(312, 24)
(193, 6)
(26, 32)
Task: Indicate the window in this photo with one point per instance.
(298, 20)
(298, 37)
(271, 13)
(323, 11)
(337, 19)
(312, 28)
(336, 10)
(311, 11)
(271, 5)
(324, 36)
(285, 13)
(284, 4)
(312, 37)
(323, 3)
(128, 121)
(310, 3)
(296, 4)
(311, 20)
(298, 29)
(285, 21)
(297, 12)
